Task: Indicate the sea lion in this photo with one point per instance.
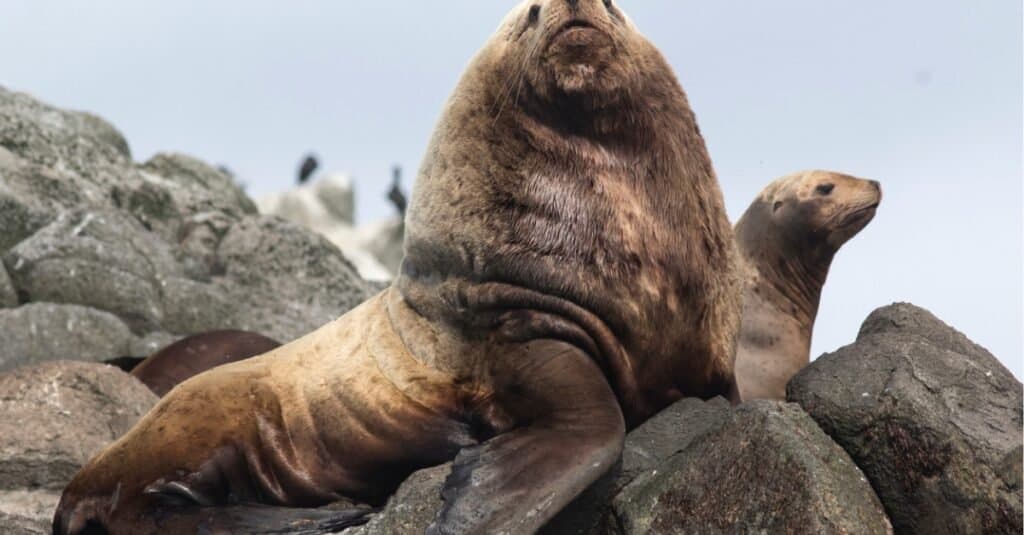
(569, 271)
(198, 353)
(787, 240)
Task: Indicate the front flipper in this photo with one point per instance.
(572, 432)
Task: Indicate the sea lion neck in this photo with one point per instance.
(795, 267)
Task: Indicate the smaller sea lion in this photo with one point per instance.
(787, 239)
(195, 354)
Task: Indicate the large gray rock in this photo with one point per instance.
(412, 508)
(932, 419)
(697, 467)
(42, 331)
(286, 280)
(8, 295)
(647, 448)
(171, 247)
(56, 415)
(101, 259)
(27, 512)
(766, 469)
(68, 140)
(176, 186)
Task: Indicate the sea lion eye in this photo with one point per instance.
(776, 206)
(534, 13)
(825, 189)
(608, 4)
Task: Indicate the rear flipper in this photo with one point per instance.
(572, 433)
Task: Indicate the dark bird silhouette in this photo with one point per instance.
(309, 165)
(396, 195)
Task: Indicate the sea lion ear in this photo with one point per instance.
(518, 480)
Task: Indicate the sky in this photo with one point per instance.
(923, 95)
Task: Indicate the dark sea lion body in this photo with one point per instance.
(569, 271)
(787, 239)
(198, 353)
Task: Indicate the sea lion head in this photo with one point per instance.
(562, 48)
(820, 208)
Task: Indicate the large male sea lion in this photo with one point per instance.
(569, 271)
(787, 240)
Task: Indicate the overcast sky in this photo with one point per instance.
(922, 95)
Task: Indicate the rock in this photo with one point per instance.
(81, 224)
(55, 416)
(932, 419)
(697, 467)
(766, 469)
(42, 331)
(101, 259)
(285, 280)
(31, 195)
(79, 142)
(192, 187)
(647, 447)
(193, 307)
(8, 295)
(412, 508)
(27, 512)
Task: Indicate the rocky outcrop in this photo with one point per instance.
(41, 331)
(932, 419)
(412, 508)
(697, 467)
(27, 512)
(767, 469)
(167, 248)
(54, 416)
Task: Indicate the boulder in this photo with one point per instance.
(933, 420)
(8, 295)
(43, 331)
(27, 512)
(697, 467)
(189, 187)
(78, 142)
(56, 415)
(152, 244)
(412, 508)
(647, 447)
(285, 280)
(767, 468)
(98, 258)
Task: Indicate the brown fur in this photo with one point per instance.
(569, 271)
(198, 353)
(787, 240)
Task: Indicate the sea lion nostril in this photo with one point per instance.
(876, 184)
(534, 13)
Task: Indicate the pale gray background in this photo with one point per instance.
(923, 95)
